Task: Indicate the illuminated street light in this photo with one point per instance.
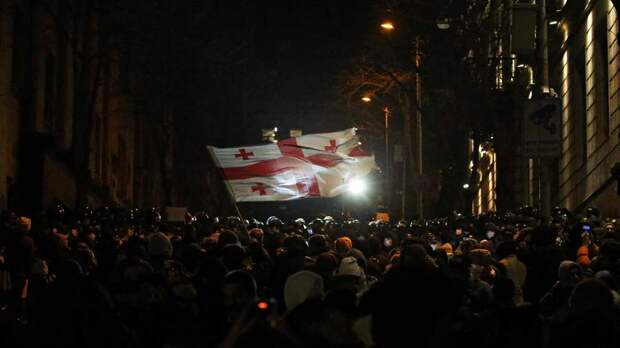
(465, 186)
(443, 24)
(387, 25)
(366, 99)
(357, 186)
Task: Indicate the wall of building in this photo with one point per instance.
(590, 92)
(48, 64)
(9, 120)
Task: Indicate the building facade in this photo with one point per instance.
(588, 81)
(583, 62)
(62, 94)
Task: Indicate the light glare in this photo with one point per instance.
(357, 186)
(387, 25)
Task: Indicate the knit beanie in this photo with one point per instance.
(159, 245)
(343, 245)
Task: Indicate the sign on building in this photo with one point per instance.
(542, 128)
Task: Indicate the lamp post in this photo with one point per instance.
(418, 93)
(388, 26)
(386, 135)
(386, 113)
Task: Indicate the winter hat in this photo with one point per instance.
(343, 245)
(318, 244)
(301, 286)
(256, 234)
(359, 257)
(591, 295)
(606, 277)
(480, 257)
(243, 279)
(295, 245)
(39, 268)
(232, 256)
(25, 224)
(159, 245)
(349, 266)
(564, 271)
(227, 237)
(327, 262)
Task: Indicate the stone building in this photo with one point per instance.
(64, 108)
(588, 81)
(583, 65)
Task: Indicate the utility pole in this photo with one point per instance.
(418, 97)
(386, 113)
(388, 179)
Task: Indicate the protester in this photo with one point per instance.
(113, 277)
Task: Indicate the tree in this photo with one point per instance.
(459, 94)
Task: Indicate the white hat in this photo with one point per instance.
(349, 266)
(301, 286)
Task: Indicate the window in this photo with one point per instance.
(123, 175)
(50, 91)
(61, 87)
(602, 73)
(578, 98)
(98, 150)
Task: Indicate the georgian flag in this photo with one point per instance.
(313, 165)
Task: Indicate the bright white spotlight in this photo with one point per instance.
(465, 186)
(357, 186)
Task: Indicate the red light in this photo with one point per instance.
(263, 305)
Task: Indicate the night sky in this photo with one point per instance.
(228, 69)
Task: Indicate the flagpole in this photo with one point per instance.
(217, 164)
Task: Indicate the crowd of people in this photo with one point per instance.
(128, 278)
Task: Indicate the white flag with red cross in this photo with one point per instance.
(313, 165)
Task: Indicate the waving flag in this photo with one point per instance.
(313, 165)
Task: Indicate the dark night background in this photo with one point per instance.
(192, 73)
(243, 66)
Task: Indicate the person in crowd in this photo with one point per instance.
(586, 251)
(128, 278)
(592, 319)
(554, 304)
(515, 269)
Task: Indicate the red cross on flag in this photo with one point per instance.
(313, 165)
(246, 155)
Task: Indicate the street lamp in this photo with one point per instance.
(387, 25)
(443, 24)
(386, 115)
(357, 186)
